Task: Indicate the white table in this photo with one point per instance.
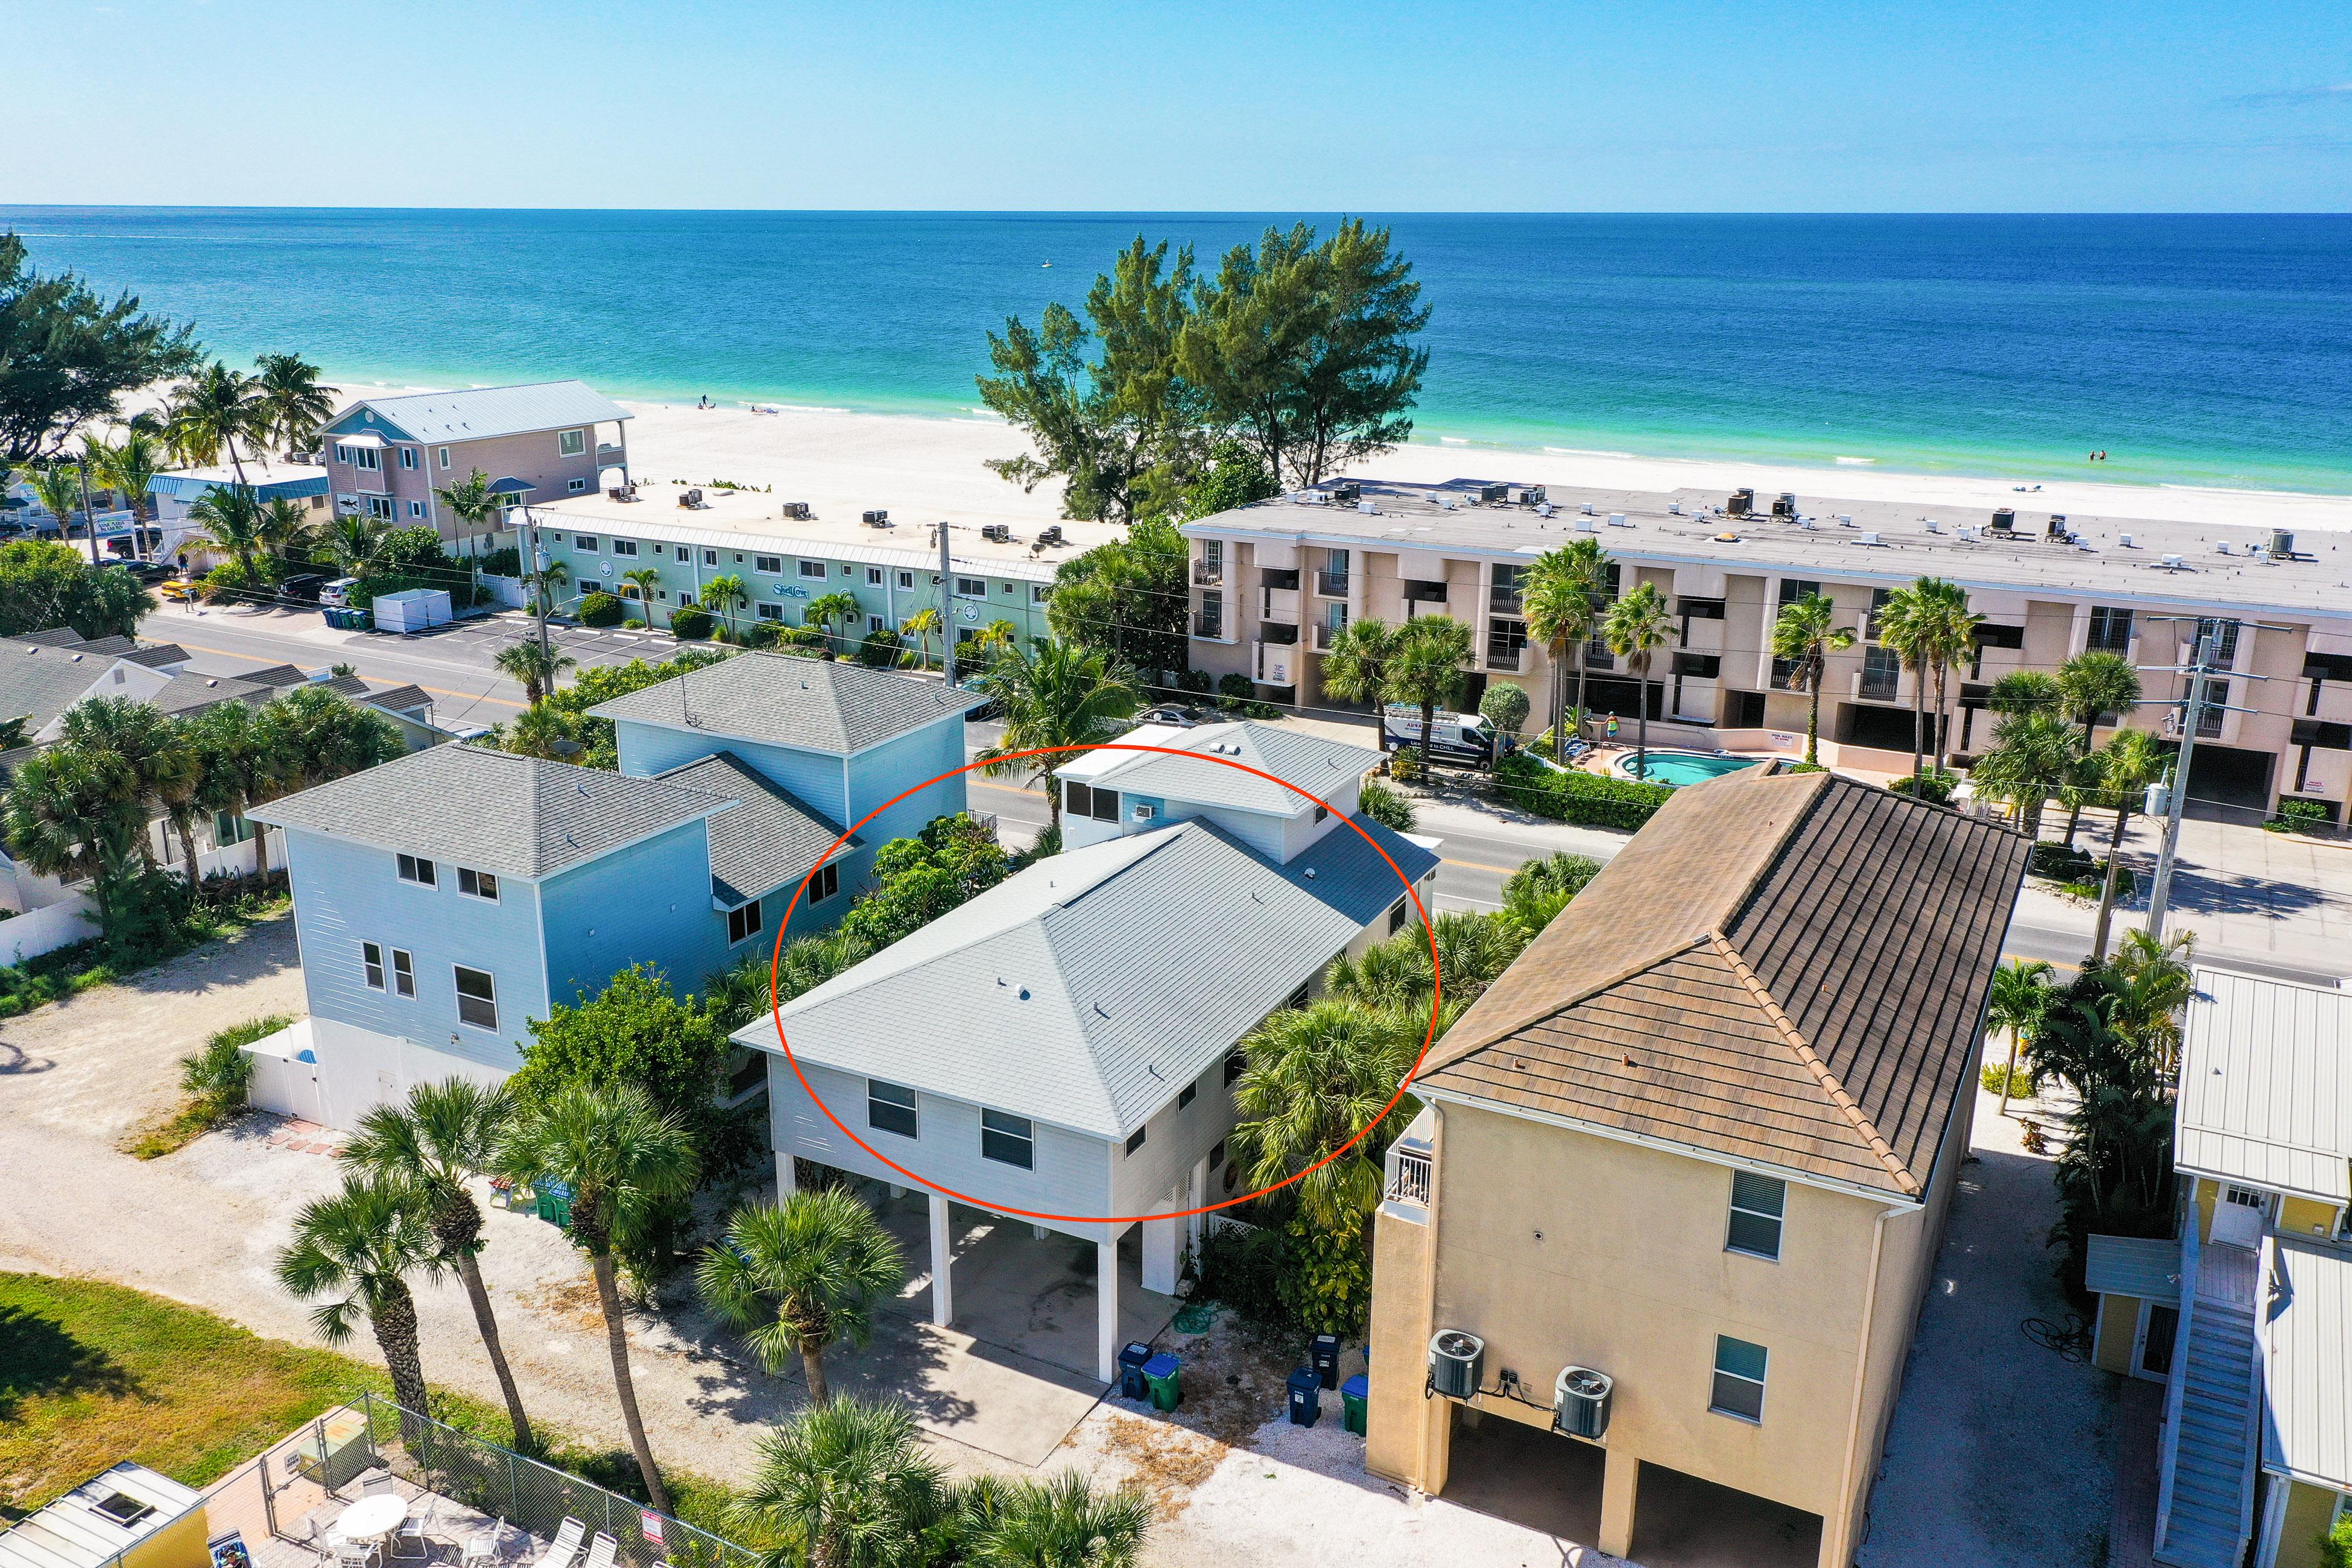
(372, 1517)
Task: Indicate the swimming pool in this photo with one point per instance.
(1676, 768)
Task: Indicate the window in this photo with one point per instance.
(1756, 1205)
(1882, 671)
(477, 884)
(1738, 1379)
(1004, 588)
(380, 507)
(408, 457)
(1216, 1153)
(1135, 1140)
(477, 998)
(1038, 591)
(625, 547)
(1077, 798)
(416, 509)
(404, 976)
(683, 553)
(585, 543)
(743, 922)
(825, 882)
(371, 961)
(1007, 1140)
(906, 579)
(1321, 811)
(420, 872)
(1396, 917)
(2110, 630)
(972, 587)
(1793, 589)
(444, 456)
(366, 458)
(847, 570)
(768, 563)
(890, 1107)
(1106, 806)
(769, 612)
(710, 557)
(874, 576)
(576, 486)
(812, 568)
(571, 443)
(2225, 640)
(1235, 1062)
(1185, 1096)
(874, 623)
(230, 828)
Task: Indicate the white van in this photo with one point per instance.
(1464, 739)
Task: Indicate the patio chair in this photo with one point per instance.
(378, 1484)
(485, 1545)
(415, 1530)
(356, 1554)
(602, 1551)
(563, 1551)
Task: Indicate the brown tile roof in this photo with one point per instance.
(1789, 969)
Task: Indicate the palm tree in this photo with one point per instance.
(2024, 691)
(921, 626)
(292, 403)
(471, 503)
(1356, 667)
(241, 762)
(2153, 984)
(2127, 765)
(2030, 758)
(216, 408)
(148, 754)
(645, 580)
(795, 1276)
(543, 732)
(1425, 669)
(535, 667)
(1054, 694)
(1949, 629)
(544, 582)
(1804, 637)
(68, 816)
(2091, 685)
(1316, 1076)
(1064, 1522)
(844, 1484)
(727, 594)
(1637, 627)
(2020, 993)
(127, 467)
(828, 611)
(997, 633)
(440, 1139)
(230, 523)
(355, 545)
(1908, 624)
(283, 527)
(359, 1245)
(1566, 594)
(322, 737)
(57, 485)
(618, 1156)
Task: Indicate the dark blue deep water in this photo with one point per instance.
(2201, 350)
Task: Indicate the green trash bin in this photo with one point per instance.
(1162, 1375)
(1354, 1394)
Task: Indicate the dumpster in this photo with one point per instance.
(1353, 1395)
(1130, 1370)
(1305, 1397)
(1161, 1377)
(555, 1203)
(1325, 1356)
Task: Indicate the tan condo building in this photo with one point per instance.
(1656, 1246)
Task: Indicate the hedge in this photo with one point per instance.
(1592, 800)
(689, 623)
(600, 609)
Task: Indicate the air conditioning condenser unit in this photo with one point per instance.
(1456, 1362)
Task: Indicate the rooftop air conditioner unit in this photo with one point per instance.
(1933, 526)
(797, 510)
(1367, 508)
(1616, 519)
(1050, 534)
(1587, 524)
(1535, 495)
(2282, 543)
(1675, 507)
(1845, 520)
(691, 500)
(1458, 1362)
(1742, 503)
(1310, 497)
(1868, 539)
(874, 518)
(1586, 508)
(1967, 532)
(2222, 548)
(2003, 519)
(2124, 540)
(1144, 813)
(1580, 1403)
(1347, 490)
(2175, 563)
(997, 532)
(1543, 509)
(1493, 495)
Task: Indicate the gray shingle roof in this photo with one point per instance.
(496, 811)
(1091, 987)
(274, 675)
(55, 637)
(813, 705)
(113, 648)
(40, 679)
(479, 413)
(400, 698)
(187, 692)
(769, 841)
(1308, 760)
(156, 655)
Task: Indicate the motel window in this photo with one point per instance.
(1738, 1379)
(1135, 1139)
(906, 579)
(625, 547)
(585, 543)
(1077, 798)
(366, 458)
(230, 828)
(1756, 1203)
(380, 507)
(419, 871)
(874, 576)
(371, 964)
(2111, 630)
(770, 564)
(743, 923)
(444, 456)
(972, 587)
(1396, 917)
(1236, 1061)
(576, 486)
(812, 568)
(847, 570)
(1005, 589)
(342, 453)
(825, 883)
(1038, 591)
(1186, 1095)
(571, 443)
(416, 509)
(476, 884)
(891, 1108)
(874, 623)
(477, 998)
(408, 457)
(710, 557)
(403, 973)
(771, 612)
(1007, 1140)
(682, 552)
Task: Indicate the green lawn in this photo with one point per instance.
(91, 1374)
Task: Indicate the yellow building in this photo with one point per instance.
(1663, 1229)
(130, 1515)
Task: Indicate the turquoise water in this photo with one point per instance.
(1678, 768)
(2200, 350)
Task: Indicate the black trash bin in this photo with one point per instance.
(1130, 1370)
(1326, 1357)
(1305, 1397)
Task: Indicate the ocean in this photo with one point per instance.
(2193, 350)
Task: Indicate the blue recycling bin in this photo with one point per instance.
(1325, 1356)
(1130, 1370)
(1305, 1397)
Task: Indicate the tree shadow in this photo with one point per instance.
(39, 1359)
(15, 1062)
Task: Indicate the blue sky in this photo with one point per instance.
(1184, 105)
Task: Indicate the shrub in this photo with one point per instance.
(690, 623)
(601, 609)
(503, 563)
(761, 634)
(1506, 706)
(633, 625)
(1590, 799)
(2020, 1083)
(2298, 816)
(1325, 1283)
(1386, 808)
(880, 649)
(1404, 765)
(1242, 1266)
(1934, 787)
(230, 581)
(1236, 688)
(2061, 864)
(2335, 1545)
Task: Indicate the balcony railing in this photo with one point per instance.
(1324, 632)
(1209, 628)
(1279, 605)
(1208, 574)
(1877, 687)
(1331, 584)
(1409, 1177)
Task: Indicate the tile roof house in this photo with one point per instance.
(1060, 1046)
(1693, 1149)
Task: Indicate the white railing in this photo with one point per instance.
(1409, 1177)
(2176, 1384)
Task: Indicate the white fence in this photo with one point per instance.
(286, 1074)
(41, 930)
(507, 590)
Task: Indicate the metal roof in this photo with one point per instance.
(71, 1533)
(781, 700)
(479, 413)
(516, 816)
(2135, 1266)
(298, 480)
(2266, 1085)
(2307, 1340)
(1090, 988)
(770, 838)
(1294, 756)
(783, 536)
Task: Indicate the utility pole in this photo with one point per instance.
(947, 605)
(541, 590)
(90, 516)
(2192, 715)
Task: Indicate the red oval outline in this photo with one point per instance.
(775, 1007)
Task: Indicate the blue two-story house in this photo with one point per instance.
(444, 899)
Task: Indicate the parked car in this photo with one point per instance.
(150, 572)
(303, 587)
(986, 705)
(1466, 739)
(1174, 714)
(337, 595)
